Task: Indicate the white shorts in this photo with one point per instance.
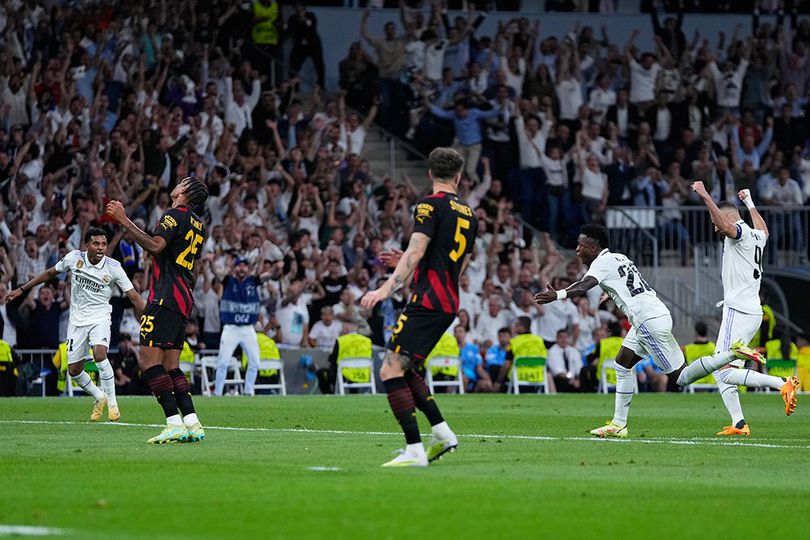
(654, 337)
(736, 325)
(81, 339)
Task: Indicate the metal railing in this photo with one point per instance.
(685, 235)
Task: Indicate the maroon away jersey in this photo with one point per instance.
(172, 280)
(452, 227)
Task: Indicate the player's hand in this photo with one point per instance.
(116, 211)
(700, 189)
(744, 194)
(604, 298)
(390, 258)
(12, 295)
(372, 298)
(547, 296)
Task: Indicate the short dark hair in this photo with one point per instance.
(196, 191)
(504, 330)
(95, 231)
(597, 233)
(524, 323)
(725, 205)
(445, 163)
(701, 329)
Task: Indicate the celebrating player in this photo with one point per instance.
(651, 333)
(438, 252)
(93, 277)
(742, 313)
(174, 247)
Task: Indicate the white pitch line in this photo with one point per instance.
(26, 530)
(700, 441)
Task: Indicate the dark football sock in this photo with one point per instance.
(422, 397)
(401, 400)
(182, 391)
(161, 385)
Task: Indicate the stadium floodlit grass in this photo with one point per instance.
(671, 479)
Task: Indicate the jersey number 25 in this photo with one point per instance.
(186, 257)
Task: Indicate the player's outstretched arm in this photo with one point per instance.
(756, 217)
(578, 288)
(719, 218)
(152, 244)
(137, 301)
(47, 275)
(405, 266)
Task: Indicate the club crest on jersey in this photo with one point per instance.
(106, 279)
(79, 263)
(423, 210)
(168, 222)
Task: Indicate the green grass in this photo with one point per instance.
(103, 481)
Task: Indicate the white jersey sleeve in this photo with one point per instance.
(122, 280)
(68, 262)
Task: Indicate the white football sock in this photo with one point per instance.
(415, 449)
(174, 420)
(731, 399)
(704, 366)
(85, 383)
(190, 419)
(624, 394)
(442, 431)
(747, 377)
(107, 380)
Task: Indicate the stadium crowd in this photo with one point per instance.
(120, 100)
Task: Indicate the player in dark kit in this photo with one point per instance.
(438, 252)
(174, 246)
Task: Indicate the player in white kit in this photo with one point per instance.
(742, 314)
(651, 332)
(93, 276)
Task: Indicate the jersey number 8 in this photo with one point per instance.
(194, 241)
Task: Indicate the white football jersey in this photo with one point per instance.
(621, 280)
(92, 287)
(742, 269)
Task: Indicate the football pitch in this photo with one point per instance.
(309, 467)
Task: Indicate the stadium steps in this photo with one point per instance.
(377, 150)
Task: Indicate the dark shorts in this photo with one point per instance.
(162, 328)
(418, 330)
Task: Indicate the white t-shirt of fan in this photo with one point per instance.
(621, 280)
(92, 287)
(742, 269)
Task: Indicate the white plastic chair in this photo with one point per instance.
(526, 361)
(444, 362)
(604, 386)
(354, 363)
(278, 365)
(210, 362)
(188, 369)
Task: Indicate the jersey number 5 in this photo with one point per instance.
(186, 257)
(461, 225)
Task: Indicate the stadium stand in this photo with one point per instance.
(311, 180)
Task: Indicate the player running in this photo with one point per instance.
(651, 333)
(438, 252)
(742, 313)
(93, 276)
(174, 247)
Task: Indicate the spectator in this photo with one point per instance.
(557, 316)
(302, 26)
(495, 358)
(564, 364)
(324, 332)
(476, 378)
